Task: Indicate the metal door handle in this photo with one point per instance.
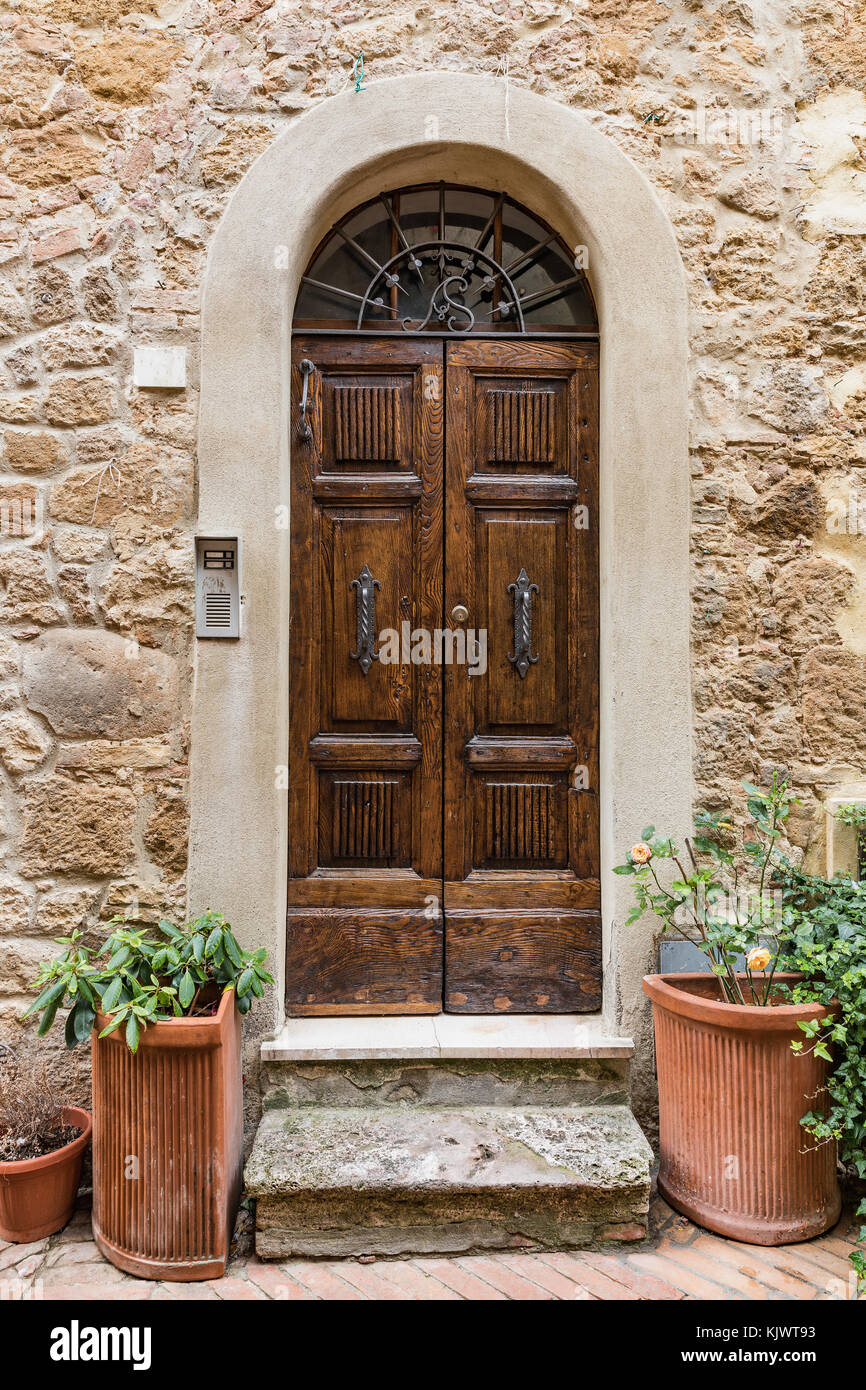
(307, 369)
(365, 619)
(521, 658)
(459, 613)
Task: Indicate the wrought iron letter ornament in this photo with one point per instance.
(522, 656)
(365, 619)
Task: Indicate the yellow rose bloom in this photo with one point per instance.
(640, 853)
(758, 958)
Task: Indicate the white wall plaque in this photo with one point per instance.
(159, 366)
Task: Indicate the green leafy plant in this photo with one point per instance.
(141, 975)
(825, 939)
(852, 814)
(715, 893)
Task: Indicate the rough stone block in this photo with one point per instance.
(834, 696)
(52, 295)
(28, 594)
(79, 401)
(151, 590)
(16, 900)
(84, 345)
(104, 755)
(24, 744)
(59, 914)
(154, 483)
(59, 243)
(788, 397)
(167, 831)
(76, 827)
(20, 959)
(124, 67)
(33, 453)
(97, 684)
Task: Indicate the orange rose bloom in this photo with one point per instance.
(758, 959)
(640, 853)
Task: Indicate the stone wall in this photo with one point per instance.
(126, 128)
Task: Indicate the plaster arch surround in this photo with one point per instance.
(462, 129)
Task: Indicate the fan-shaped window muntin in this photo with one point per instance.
(445, 260)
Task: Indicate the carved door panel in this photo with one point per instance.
(365, 766)
(521, 894)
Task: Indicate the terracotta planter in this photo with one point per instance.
(167, 1145)
(734, 1156)
(37, 1195)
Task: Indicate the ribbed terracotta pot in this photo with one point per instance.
(167, 1145)
(37, 1195)
(734, 1156)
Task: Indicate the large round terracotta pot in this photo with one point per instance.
(168, 1145)
(37, 1195)
(734, 1156)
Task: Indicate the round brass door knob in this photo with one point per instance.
(459, 613)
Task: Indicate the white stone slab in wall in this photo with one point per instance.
(163, 367)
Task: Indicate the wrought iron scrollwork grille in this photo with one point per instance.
(447, 260)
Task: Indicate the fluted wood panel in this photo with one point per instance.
(364, 820)
(167, 1146)
(733, 1153)
(519, 821)
(523, 426)
(366, 423)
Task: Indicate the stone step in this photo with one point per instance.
(457, 1082)
(395, 1180)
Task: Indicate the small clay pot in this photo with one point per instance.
(734, 1156)
(37, 1195)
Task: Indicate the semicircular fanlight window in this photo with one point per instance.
(445, 259)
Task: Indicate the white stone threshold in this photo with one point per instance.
(442, 1035)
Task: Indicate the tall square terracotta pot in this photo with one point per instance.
(168, 1145)
(734, 1156)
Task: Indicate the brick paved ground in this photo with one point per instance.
(678, 1261)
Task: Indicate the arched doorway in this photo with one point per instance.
(596, 197)
(443, 706)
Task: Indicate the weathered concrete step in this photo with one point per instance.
(457, 1082)
(403, 1180)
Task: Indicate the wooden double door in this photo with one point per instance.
(443, 790)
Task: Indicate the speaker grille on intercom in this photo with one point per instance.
(218, 610)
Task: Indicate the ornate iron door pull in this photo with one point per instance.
(522, 656)
(365, 619)
(307, 369)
